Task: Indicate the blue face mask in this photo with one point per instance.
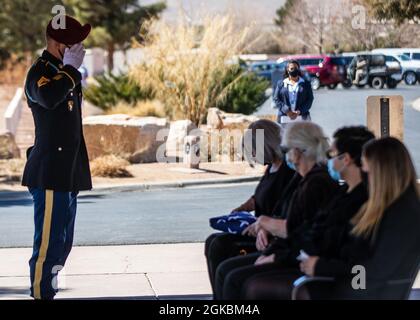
(333, 173)
(290, 164)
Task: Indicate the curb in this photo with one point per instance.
(174, 185)
(416, 105)
(162, 185)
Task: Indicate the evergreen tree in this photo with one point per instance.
(23, 23)
(115, 22)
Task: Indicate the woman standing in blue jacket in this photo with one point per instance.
(293, 96)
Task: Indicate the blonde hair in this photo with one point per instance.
(308, 137)
(272, 141)
(391, 173)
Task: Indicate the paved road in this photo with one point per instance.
(177, 215)
(335, 108)
(182, 215)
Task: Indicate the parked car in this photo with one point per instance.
(413, 53)
(393, 64)
(410, 67)
(333, 71)
(264, 68)
(310, 64)
(278, 74)
(376, 74)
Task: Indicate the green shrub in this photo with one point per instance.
(110, 89)
(245, 93)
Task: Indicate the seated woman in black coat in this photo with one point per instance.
(306, 152)
(383, 236)
(220, 246)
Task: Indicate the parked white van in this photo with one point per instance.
(413, 53)
(410, 67)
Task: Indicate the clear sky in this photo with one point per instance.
(263, 11)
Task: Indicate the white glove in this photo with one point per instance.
(74, 56)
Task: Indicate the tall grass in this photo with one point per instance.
(186, 63)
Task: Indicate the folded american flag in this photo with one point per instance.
(235, 222)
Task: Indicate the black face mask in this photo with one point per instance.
(294, 73)
(62, 54)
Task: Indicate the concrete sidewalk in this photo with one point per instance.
(164, 271)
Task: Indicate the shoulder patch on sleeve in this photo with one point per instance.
(42, 81)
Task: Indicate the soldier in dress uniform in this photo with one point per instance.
(57, 165)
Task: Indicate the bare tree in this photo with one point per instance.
(372, 33)
(306, 25)
(329, 25)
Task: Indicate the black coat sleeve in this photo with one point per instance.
(49, 91)
(397, 241)
(307, 104)
(313, 197)
(278, 100)
(354, 251)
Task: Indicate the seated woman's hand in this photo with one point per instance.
(264, 221)
(251, 230)
(307, 266)
(264, 259)
(276, 227)
(262, 240)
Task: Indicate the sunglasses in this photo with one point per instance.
(333, 154)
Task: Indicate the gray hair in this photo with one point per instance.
(308, 137)
(272, 141)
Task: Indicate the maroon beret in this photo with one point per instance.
(73, 33)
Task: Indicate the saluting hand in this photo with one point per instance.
(74, 56)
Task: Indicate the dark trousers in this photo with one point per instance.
(221, 246)
(54, 217)
(235, 275)
(273, 285)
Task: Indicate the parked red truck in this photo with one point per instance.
(324, 70)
